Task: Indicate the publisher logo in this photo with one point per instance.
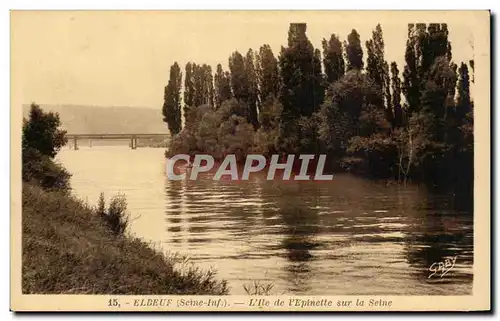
(253, 163)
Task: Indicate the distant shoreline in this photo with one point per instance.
(87, 119)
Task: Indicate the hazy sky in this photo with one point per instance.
(123, 58)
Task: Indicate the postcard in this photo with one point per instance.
(250, 161)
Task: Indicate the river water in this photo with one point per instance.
(342, 237)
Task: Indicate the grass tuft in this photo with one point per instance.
(257, 288)
(116, 217)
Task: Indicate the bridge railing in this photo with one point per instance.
(133, 137)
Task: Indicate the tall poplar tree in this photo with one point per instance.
(253, 90)
(172, 100)
(222, 84)
(396, 95)
(464, 99)
(389, 108)
(300, 65)
(302, 89)
(378, 69)
(267, 73)
(188, 89)
(208, 85)
(203, 91)
(471, 64)
(241, 84)
(199, 83)
(354, 51)
(424, 45)
(411, 84)
(239, 80)
(333, 60)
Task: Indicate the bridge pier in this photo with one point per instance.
(133, 142)
(75, 143)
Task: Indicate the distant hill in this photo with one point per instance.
(82, 119)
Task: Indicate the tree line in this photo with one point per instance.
(406, 122)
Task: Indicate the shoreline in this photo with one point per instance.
(67, 249)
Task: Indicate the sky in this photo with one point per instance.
(110, 58)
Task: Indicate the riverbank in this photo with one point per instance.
(284, 232)
(152, 143)
(68, 250)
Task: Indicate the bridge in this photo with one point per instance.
(133, 137)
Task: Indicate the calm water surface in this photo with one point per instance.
(346, 236)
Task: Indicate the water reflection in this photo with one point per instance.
(438, 233)
(175, 192)
(347, 236)
(308, 233)
(300, 226)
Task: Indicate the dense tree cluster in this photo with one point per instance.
(366, 114)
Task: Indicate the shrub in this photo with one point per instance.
(41, 132)
(257, 288)
(116, 217)
(41, 141)
(42, 170)
(218, 133)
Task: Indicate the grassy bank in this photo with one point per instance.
(67, 249)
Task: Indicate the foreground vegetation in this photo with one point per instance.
(369, 118)
(72, 248)
(67, 249)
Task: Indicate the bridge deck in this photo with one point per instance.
(116, 136)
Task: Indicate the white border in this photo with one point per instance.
(190, 4)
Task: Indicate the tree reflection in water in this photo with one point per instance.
(300, 226)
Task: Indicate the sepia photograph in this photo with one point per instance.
(213, 160)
